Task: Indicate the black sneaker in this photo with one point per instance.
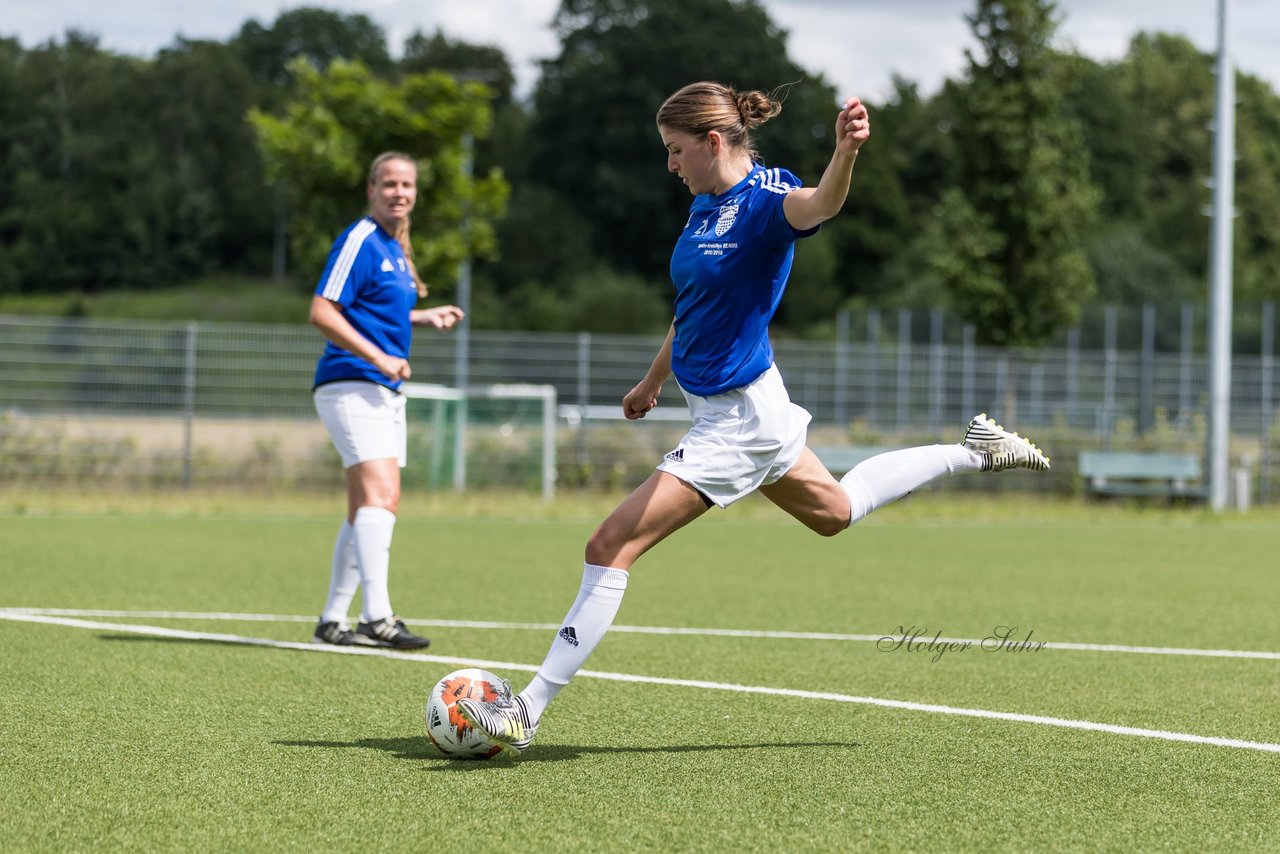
(339, 634)
(390, 631)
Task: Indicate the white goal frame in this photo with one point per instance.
(544, 394)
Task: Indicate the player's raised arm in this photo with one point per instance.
(810, 206)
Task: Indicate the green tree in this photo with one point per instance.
(1130, 271)
(211, 179)
(900, 175)
(593, 137)
(1150, 149)
(1024, 183)
(11, 110)
(84, 192)
(339, 119)
(1167, 87)
(1257, 230)
(484, 63)
(128, 173)
(315, 35)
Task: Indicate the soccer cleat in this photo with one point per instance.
(390, 632)
(505, 720)
(338, 634)
(1000, 449)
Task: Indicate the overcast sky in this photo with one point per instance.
(856, 44)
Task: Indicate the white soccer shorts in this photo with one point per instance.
(740, 440)
(365, 421)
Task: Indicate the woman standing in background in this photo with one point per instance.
(364, 306)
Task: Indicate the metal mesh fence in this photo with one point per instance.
(99, 404)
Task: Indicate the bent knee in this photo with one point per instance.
(828, 526)
(601, 549)
(388, 499)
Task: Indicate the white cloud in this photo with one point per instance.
(855, 44)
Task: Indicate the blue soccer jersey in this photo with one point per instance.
(730, 267)
(368, 275)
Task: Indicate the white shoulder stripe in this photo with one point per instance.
(346, 258)
(772, 181)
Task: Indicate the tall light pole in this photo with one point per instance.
(1224, 162)
(462, 350)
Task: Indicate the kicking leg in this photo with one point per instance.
(661, 505)
(808, 492)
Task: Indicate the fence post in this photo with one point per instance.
(584, 395)
(1184, 365)
(1037, 409)
(1002, 388)
(1073, 371)
(842, 367)
(549, 417)
(1146, 376)
(873, 364)
(1268, 356)
(904, 364)
(935, 370)
(1109, 375)
(189, 404)
(967, 361)
(462, 380)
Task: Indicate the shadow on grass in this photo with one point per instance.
(418, 748)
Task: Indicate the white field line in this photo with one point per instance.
(644, 630)
(1065, 723)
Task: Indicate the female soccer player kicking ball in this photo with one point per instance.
(730, 267)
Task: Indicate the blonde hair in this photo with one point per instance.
(699, 108)
(402, 230)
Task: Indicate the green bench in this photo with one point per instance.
(1142, 474)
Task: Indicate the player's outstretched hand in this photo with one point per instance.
(853, 126)
(441, 317)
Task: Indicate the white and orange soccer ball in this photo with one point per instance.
(446, 728)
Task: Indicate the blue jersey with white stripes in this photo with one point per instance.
(368, 275)
(730, 267)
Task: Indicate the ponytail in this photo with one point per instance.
(699, 108)
(402, 237)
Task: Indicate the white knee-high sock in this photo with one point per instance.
(887, 477)
(344, 579)
(583, 628)
(373, 528)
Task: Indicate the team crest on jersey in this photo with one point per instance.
(728, 214)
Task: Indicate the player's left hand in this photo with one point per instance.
(441, 317)
(637, 402)
(853, 126)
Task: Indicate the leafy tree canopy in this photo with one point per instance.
(593, 136)
(1015, 226)
(339, 119)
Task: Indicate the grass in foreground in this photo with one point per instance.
(114, 740)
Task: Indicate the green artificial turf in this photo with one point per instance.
(113, 740)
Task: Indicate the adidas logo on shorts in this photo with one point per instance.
(676, 456)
